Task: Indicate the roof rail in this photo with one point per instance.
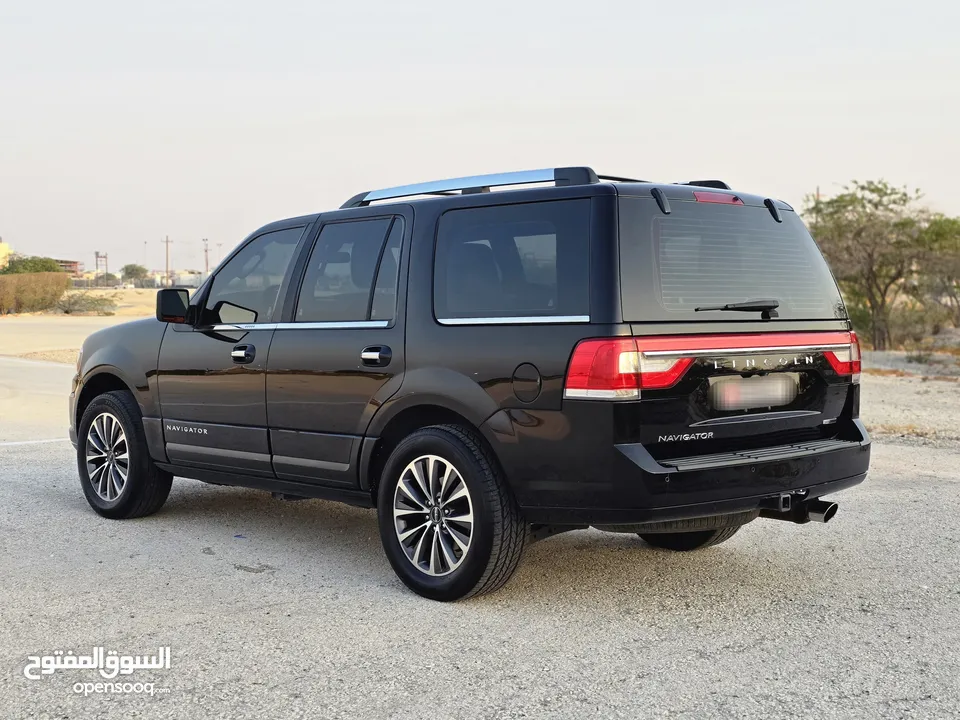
(719, 184)
(478, 183)
(614, 178)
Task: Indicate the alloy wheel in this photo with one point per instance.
(107, 456)
(433, 515)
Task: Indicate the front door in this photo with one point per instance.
(343, 354)
(211, 376)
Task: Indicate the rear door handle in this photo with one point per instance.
(243, 354)
(376, 356)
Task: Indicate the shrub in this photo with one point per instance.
(31, 292)
(86, 302)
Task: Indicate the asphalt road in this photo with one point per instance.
(288, 610)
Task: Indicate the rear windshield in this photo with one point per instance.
(711, 254)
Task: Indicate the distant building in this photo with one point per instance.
(74, 267)
(5, 253)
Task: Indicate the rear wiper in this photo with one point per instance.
(767, 307)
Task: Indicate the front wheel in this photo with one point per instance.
(117, 474)
(686, 541)
(449, 525)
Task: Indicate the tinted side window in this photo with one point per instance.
(341, 271)
(384, 304)
(246, 288)
(528, 260)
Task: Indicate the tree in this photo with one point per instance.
(27, 264)
(872, 236)
(134, 273)
(110, 280)
(939, 276)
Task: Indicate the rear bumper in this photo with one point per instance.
(625, 485)
(601, 516)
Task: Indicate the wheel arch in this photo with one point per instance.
(401, 423)
(97, 382)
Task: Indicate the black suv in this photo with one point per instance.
(488, 368)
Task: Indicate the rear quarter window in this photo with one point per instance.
(711, 254)
(513, 261)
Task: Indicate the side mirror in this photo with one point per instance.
(173, 305)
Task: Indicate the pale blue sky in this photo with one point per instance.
(122, 121)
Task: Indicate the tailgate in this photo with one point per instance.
(704, 394)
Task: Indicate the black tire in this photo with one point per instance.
(146, 487)
(498, 530)
(686, 541)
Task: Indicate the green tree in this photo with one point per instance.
(134, 273)
(872, 236)
(939, 269)
(27, 264)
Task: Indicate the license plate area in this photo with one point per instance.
(728, 394)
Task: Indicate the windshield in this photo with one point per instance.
(707, 254)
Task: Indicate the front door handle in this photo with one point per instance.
(243, 354)
(376, 356)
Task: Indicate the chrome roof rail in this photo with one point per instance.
(478, 183)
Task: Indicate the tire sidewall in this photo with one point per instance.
(436, 441)
(136, 452)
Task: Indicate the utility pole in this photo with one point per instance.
(167, 242)
(99, 256)
(206, 257)
(219, 252)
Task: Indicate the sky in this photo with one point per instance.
(122, 123)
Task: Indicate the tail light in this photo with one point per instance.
(615, 369)
(619, 368)
(846, 361)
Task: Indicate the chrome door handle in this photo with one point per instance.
(243, 354)
(376, 355)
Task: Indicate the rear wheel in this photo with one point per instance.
(449, 525)
(118, 477)
(685, 541)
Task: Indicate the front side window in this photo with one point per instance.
(342, 283)
(246, 289)
(513, 261)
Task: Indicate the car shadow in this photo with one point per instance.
(585, 567)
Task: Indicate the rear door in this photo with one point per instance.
(715, 380)
(342, 354)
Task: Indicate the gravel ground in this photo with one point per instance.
(912, 407)
(290, 610)
(936, 363)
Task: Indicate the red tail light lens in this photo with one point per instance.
(615, 369)
(715, 197)
(846, 361)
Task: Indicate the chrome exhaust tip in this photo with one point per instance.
(821, 511)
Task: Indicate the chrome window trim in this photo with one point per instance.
(334, 325)
(342, 325)
(530, 320)
(743, 351)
